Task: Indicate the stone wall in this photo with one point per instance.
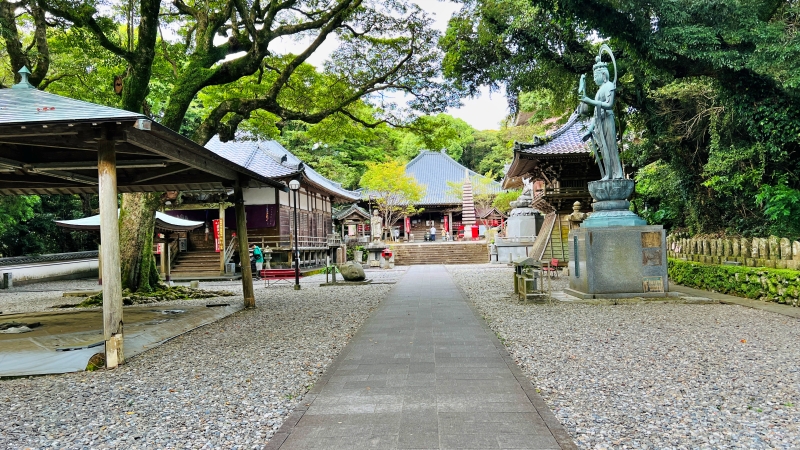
(772, 252)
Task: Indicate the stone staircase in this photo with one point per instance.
(441, 253)
(200, 263)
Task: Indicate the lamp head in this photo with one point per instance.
(294, 185)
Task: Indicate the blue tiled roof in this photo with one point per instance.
(24, 104)
(250, 155)
(434, 170)
(271, 159)
(566, 140)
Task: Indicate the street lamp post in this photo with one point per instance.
(294, 185)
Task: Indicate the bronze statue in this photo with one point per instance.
(602, 129)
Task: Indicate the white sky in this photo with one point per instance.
(485, 112)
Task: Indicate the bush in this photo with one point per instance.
(773, 285)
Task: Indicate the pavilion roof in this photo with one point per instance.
(163, 222)
(273, 160)
(49, 145)
(564, 145)
(353, 209)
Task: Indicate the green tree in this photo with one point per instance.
(503, 200)
(708, 88)
(203, 85)
(393, 192)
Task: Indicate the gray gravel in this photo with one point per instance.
(652, 375)
(229, 384)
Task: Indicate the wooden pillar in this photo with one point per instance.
(100, 264)
(244, 252)
(163, 259)
(109, 236)
(222, 238)
(169, 261)
(450, 223)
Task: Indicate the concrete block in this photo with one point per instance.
(617, 260)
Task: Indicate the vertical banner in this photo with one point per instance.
(408, 225)
(216, 235)
(446, 224)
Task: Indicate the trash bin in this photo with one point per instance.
(230, 268)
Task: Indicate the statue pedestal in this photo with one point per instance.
(618, 262)
(374, 253)
(611, 205)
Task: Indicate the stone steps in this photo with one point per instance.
(431, 253)
(196, 263)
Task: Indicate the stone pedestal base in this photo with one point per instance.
(618, 262)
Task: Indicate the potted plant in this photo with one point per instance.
(358, 254)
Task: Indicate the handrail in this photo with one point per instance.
(320, 242)
(231, 248)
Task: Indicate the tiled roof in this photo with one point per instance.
(250, 155)
(566, 140)
(25, 104)
(434, 170)
(273, 160)
(354, 208)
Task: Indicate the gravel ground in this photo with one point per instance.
(229, 384)
(652, 375)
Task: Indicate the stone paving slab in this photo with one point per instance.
(424, 372)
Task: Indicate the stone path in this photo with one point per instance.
(423, 373)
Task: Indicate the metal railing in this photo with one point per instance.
(284, 242)
(515, 240)
(230, 249)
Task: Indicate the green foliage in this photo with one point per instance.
(782, 207)
(707, 90)
(502, 200)
(28, 225)
(394, 193)
(776, 285)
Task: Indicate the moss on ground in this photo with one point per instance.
(159, 295)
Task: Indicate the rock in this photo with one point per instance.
(796, 250)
(735, 249)
(760, 248)
(352, 271)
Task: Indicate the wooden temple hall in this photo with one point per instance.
(269, 211)
(559, 167)
(56, 145)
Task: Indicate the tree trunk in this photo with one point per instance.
(136, 223)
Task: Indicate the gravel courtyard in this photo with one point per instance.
(229, 384)
(652, 375)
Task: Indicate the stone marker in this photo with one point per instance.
(796, 250)
(774, 247)
(786, 248)
(352, 271)
(746, 247)
(759, 248)
(735, 250)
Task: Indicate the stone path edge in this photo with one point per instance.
(777, 308)
(297, 413)
(556, 428)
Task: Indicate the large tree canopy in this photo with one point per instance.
(210, 67)
(707, 92)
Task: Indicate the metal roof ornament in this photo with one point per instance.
(23, 82)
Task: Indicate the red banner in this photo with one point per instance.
(216, 223)
(408, 225)
(446, 224)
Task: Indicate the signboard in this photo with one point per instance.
(216, 225)
(652, 284)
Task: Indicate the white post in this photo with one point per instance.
(109, 236)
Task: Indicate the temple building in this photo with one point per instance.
(443, 206)
(269, 210)
(558, 167)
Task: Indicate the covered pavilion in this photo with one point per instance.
(56, 145)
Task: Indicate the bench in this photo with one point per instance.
(276, 276)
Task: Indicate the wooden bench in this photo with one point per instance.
(275, 276)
